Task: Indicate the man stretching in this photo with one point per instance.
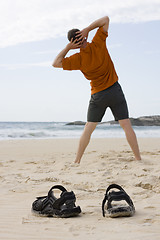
(95, 63)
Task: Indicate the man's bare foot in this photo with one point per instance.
(77, 161)
(138, 157)
(75, 164)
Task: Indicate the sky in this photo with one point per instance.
(34, 31)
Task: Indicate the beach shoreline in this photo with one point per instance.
(58, 130)
(30, 167)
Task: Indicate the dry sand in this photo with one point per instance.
(29, 168)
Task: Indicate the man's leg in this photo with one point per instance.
(131, 137)
(84, 140)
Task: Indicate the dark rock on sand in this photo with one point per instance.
(76, 123)
(141, 121)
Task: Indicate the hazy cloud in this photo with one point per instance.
(28, 20)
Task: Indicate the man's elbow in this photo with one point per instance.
(107, 19)
(57, 64)
(54, 64)
(106, 23)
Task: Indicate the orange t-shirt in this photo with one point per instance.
(94, 62)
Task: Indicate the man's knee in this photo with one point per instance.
(90, 127)
(125, 123)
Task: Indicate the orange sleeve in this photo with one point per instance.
(72, 63)
(100, 36)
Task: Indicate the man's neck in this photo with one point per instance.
(84, 45)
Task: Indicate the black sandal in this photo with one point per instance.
(117, 210)
(50, 206)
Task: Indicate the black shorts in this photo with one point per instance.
(111, 97)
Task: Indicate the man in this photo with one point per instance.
(95, 63)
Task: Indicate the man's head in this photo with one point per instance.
(72, 34)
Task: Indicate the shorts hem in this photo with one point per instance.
(122, 118)
(94, 121)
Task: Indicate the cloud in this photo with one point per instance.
(28, 20)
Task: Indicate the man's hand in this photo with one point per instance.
(74, 44)
(83, 34)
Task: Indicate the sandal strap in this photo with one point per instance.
(50, 202)
(114, 186)
(64, 197)
(103, 203)
(115, 196)
(60, 187)
(118, 196)
(67, 197)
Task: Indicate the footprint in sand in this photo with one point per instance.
(148, 169)
(144, 185)
(31, 162)
(126, 159)
(149, 207)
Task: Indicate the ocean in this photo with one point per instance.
(46, 130)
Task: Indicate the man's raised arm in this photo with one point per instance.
(71, 45)
(101, 22)
(82, 35)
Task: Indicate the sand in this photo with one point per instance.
(29, 168)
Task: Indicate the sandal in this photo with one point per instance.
(50, 206)
(117, 210)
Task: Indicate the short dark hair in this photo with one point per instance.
(72, 34)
